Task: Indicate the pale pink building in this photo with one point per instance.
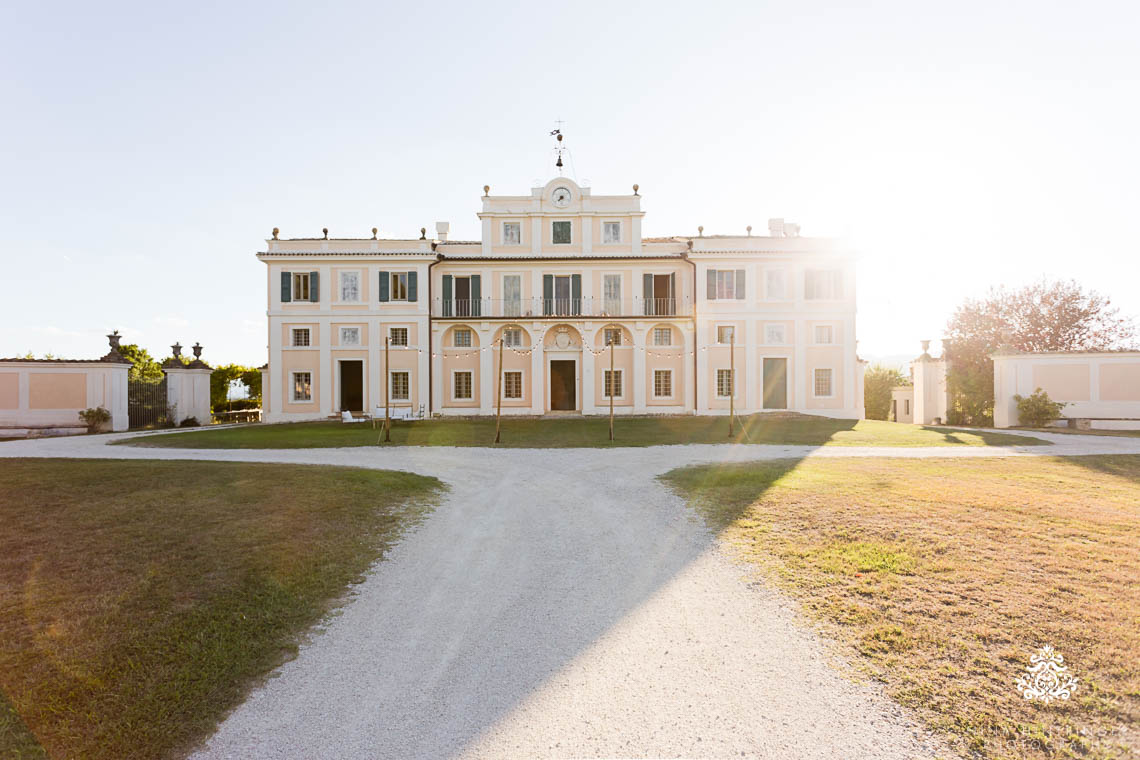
(558, 276)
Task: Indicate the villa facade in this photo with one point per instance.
(527, 315)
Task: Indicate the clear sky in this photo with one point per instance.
(146, 150)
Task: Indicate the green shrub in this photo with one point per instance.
(1038, 410)
(95, 418)
(190, 422)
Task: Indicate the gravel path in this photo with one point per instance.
(562, 603)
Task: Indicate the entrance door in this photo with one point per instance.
(463, 296)
(775, 383)
(352, 386)
(562, 385)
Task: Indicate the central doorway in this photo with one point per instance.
(562, 385)
(775, 383)
(351, 386)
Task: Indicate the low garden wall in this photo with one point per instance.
(1099, 390)
(45, 396)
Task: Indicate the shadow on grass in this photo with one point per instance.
(15, 738)
(1125, 466)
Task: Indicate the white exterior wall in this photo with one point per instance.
(1102, 387)
(105, 385)
(188, 392)
(930, 392)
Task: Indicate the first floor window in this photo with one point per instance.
(301, 284)
(723, 383)
(300, 336)
(350, 336)
(462, 337)
(463, 384)
(512, 233)
(512, 384)
(400, 385)
(350, 286)
(774, 284)
(302, 386)
(775, 334)
(662, 336)
(612, 384)
(560, 233)
(725, 284)
(512, 336)
(823, 382)
(611, 232)
(823, 284)
(512, 295)
(824, 334)
(399, 290)
(725, 334)
(662, 383)
(613, 336)
(397, 336)
(611, 293)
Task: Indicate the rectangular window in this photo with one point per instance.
(611, 232)
(725, 284)
(613, 336)
(823, 334)
(399, 289)
(350, 336)
(723, 383)
(823, 382)
(301, 287)
(775, 335)
(512, 384)
(823, 284)
(725, 334)
(302, 386)
(400, 386)
(301, 336)
(397, 336)
(462, 384)
(662, 383)
(350, 286)
(774, 285)
(611, 293)
(512, 336)
(512, 295)
(906, 405)
(462, 338)
(512, 233)
(560, 231)
(662, 336)
(612, 384)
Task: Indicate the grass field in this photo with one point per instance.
(139, 601)
(942, 577)
(790, 429)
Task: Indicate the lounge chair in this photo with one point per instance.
(346, 416)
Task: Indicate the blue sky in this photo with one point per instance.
(148, 149)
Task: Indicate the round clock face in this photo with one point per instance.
(561, 197)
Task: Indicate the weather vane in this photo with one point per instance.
(557, 135)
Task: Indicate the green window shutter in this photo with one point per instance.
(740, 284)
(547, 294)
(412, 292)
(385, 283)
(575, 294)
(710, 291)
(476, 295)
(314, 286)
(447, 295)
(647, 293)
(286, 287)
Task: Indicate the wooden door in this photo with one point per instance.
(562, 385)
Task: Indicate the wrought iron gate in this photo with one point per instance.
(146, 403)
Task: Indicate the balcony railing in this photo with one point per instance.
(535, 308)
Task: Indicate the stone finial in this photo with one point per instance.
(486, 190)
(276, 232)
(197, 349)
(749, 228)
(177, 349)
(423, 233)
(374, 231)
(925, 347)
(635, 188)
(114, 339)
(701, 231)
(326, 231)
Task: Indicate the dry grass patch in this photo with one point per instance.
(139, 600)
(946, 575)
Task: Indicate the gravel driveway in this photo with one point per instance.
(562, 603)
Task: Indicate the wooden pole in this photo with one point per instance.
(731, 381)
(499, 394)
(387, 401)
(611, 390)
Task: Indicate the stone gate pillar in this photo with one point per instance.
(188, 386)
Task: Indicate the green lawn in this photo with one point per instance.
(941, 578)
(789, 429)
(139, 601)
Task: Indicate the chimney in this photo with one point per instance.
(441, 230)
(776, 227)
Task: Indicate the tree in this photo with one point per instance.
(877, 384)
(143, 365)
(1045, 316)
(221, 378)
